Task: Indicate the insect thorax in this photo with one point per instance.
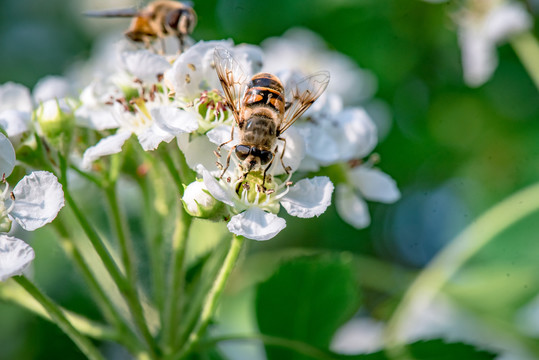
(259, 131)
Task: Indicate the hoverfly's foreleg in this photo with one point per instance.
(181, 44)
(286, 168)
(162, 43)
(265, 172)
(226, 142)
(227, 161)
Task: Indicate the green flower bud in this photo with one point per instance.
(5, 224)
(57, 124)
(198, 202)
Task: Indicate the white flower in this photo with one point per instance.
(34, 202)
(51, 87)
(153, 121)
(363, 182)
(15, 110)
(336, 135)
(197, 200)
(15, 256)
(95, 111)
(483, 24)
(303, 50)
(144, 65)
(7, 156)
(194, 70)
(256, 208)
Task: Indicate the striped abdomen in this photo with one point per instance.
(262, 110)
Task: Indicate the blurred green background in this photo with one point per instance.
(453, 150)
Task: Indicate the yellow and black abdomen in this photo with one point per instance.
(265, 90)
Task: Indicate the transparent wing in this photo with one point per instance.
(300, 95)
(233, 79)
(129, 12)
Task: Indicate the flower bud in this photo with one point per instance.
(198, 202)
(57, 124)
(5, 224)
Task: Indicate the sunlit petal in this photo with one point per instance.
(256, 224)
(38, 199)
(15, 256)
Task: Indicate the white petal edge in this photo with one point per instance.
(15, 256)
(107, 146)
(174, 120)
(7, 156)
(256, 224)
(38, 199)
(152, 136)
(375, 185)
(351, 208)
(221, 134)
(308, 197)
(213, 186)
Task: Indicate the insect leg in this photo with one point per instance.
(226, 142)
(182, 44)
(266, 170)
(162, 43)
(286, 168)
(227, 161)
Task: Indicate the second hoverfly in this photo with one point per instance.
(263, 109)
(157, 20)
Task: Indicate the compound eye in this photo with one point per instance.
(173, 17)
(242, 151)
(265, 157)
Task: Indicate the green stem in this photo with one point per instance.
(111, 313)
(176, 175)
(120, 228)
(446, 264)
(127, 252)
(211, 301)
(153, 226)
(92, 235)
(59, 318)
(19, 296)
(300, 347)
(201, 287)
(128, 292)
(527, 49)
(174, 300)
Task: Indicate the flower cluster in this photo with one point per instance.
(34, 202)
(161, 98)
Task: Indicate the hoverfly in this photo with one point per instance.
(263, 110)
(158, 19)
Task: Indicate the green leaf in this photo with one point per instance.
(432, 350)
(307, 299)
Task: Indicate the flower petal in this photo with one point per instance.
(221, 134)
(15, 97)
(256, 224)
(374, 184)
(309, 197)
(144, 64)
(51, 87)
(107, 146)
(152, 136)
(15, 122)
(198, 150)
(351, 208)
(213, 186)
(7, 156)
(174, 120)
(38, 199)
(293, 153)
(15, 256)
